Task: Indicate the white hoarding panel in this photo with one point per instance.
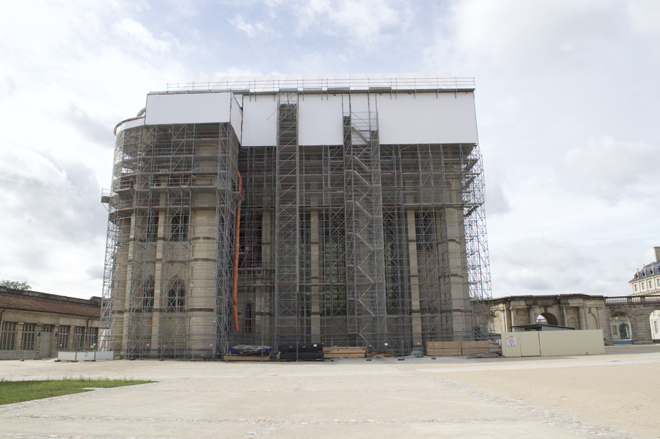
(236, 117)
(320, 120)
(66, 356)
(259, 120)
(130, 124)
(560, 343)
(187, 108)
(105, 355)
(520, 344)
(85, 356)
(426, 118)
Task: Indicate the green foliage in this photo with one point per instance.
(14, 285)
(19, 391)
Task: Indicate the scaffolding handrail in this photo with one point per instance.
(329, 84)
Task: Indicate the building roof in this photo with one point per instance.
(378, 82)
(544, 297)
(49, 303)
(649, 270)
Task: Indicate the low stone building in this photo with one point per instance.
(623, 319)
(37, 325)
(579, 311)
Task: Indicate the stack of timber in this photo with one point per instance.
(230, 357)
(474, 348)
(443, 348)
(381, 354)
(345, 352)
(455, 348)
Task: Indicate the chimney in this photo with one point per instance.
(657, 254)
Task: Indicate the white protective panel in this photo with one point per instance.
(66, 356)
(259, 120)
(188, 108)
(360, 102)
(236, 117)
(105, 355)
(320, 120)
(130, 124)
(406, 119)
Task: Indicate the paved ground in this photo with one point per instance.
(384, 398)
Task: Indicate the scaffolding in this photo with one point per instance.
(167, 279)
(356, 244)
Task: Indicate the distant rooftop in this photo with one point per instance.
(327, 83)
(51, 303)
(649, 270)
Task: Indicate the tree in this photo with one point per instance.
(14, 285)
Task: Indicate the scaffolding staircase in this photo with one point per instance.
(365, 264)
(288, 315)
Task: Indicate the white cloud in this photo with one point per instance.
(524, 32)
(66, 79)
(644, 16)
(144, 39)
(549, 266)
(550, 75)
(252, 30)
(611, 169)
(363, 21)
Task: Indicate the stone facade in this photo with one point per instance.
(580, 311)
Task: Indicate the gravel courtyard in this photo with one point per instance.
(608, 396)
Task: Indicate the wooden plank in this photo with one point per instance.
(351, 349)
(344, 355)
(381, 354)
(245, 358)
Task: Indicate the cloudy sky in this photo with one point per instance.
(567, 106)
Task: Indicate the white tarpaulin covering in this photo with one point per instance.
(188, 108)
(259, 120)
(320, 120)
(427, 118)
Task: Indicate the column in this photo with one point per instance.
(532, 315)
(128, 290)
(582, 317)
(314, 250)
(414, 281)
(19, 336)
(158, 285)
(264, 301)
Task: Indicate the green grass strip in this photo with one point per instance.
(20, 391)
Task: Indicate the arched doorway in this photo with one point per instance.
(620, 325)
(654, 320)
(547, 318)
